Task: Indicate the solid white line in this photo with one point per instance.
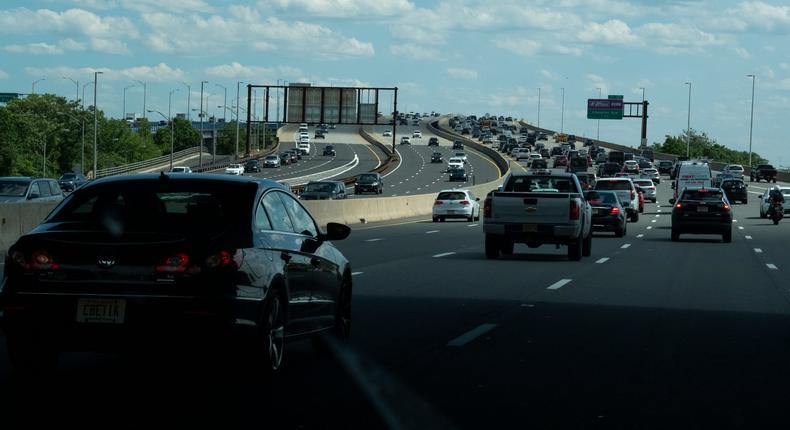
(557, 285)
(471, 335)
(400, 161)
(443, 254)
(640, 235)
(627, 245)
(748, 237)
(472, 225)
(356, 273)
(431, 231)
(758, 250)
(602, 260)
(740, 227)
(772, 267)
(374, 240)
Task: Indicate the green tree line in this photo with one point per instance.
(702, 146)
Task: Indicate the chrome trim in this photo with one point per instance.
(157, 296)
(249, 299)
(241, 321)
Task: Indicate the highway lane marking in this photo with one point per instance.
(356, 273)
(374, 240)
(472, 225)
(649, 227)
(748, 237)
(659, 210)
(740, 227)
(626, 246)
(640, 235)
(602, 260)
(771, 266)
(471, 335)
(758, 250)
(400, 161)
(735, 220)
(443, 254)
(375, 155)
(658, 216)
(653, 221)
(431, 231)
(559, 284)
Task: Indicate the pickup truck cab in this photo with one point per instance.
(537, 209)
(763, 171)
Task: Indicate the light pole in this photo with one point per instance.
(200, 114)
(751, 120)
(95, 124)
(238, 102)
(171, 131)
(224, 103)
(124, 100)
(33, 90)
(643, 93)
(562, 115)
(538, 107)
(83, 93)
(145, 93)
(77, 83)
(189, 100)
(82, 126)
(688, 124)
(598, 133)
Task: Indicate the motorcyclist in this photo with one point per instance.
(775, 197)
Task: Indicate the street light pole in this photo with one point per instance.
(77, 83)
(172, 126)
(643, 93)
(238, 102)
(33, 89)
(200, 114)
(83, 93)
(145, 93)
(124, 100)
(95, 124)
(751, 120)
(562, 115)
(224, 103)
(538, 107)
(688, 124)
(189, 99)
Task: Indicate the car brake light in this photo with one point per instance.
(464, 202)
(42, 260)
(438, 202)
(175, 263)
(679, 206)
(487, 208)
(615, 211)
(574, 209)
(726, 207)
(221, 259)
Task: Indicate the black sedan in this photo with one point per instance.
(150, 261)
(702, 211)
(735, 190)
(607, 212)
(252, 166)
(329, 150)
(457, 175)
(436, 157)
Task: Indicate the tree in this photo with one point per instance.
(702, 146)
(185, 136)
(226, 140)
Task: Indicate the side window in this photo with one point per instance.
(34, 189)
(277, 213)
(55, 188)
(261, 219)
(44, 187)
(302, 221)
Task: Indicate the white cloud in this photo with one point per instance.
(529, 48)
(743, 53)
(236, 70)
(675, 38)
(755, 15)
(460, 73)
(46, 48)
(175, 6)
(342, 8)
(416, 52)
(159, 73)
(3, 75)
(176, 34)
(596, 82)
(549, 75)
(784, 66)
(612, 32)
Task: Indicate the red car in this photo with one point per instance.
(641, 202)
(560, 160)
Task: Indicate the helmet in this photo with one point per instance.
(777, 189)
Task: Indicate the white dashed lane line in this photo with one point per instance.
(740, 227)
(602, 260)
(626, 246)
(431, 231)
(374, 240)
(758, 250)
(748, 237)
(443, 254)
(471, 335)
(640, 235)
(771, 266)
(653, 221)
(559, 284)
(356, 273)
(649, 227)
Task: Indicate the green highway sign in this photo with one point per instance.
(615, 97)
(7, 97)
(604, 109)
(605, 114)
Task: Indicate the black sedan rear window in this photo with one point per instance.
(596, 198)
(702, 195)
(613, 185)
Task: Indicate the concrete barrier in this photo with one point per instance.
(17, 219)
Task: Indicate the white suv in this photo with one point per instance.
(736, 170)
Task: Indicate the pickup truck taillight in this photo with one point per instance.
(574, 210)
(633, 194)
(487, 207)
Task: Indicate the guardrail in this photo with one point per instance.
(132, 167)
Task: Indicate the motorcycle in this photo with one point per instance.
(776, 212)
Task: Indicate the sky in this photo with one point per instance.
(449, 56)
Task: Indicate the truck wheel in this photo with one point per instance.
(587, 245)
(726, 237)
(675, 235)
(492, 246)
(506, 247)
(635, 217)
(575, 250)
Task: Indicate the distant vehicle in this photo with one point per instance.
(626, 192)
(652, 174)
(607, 212)
(735, 190)
(329, 150)
(285, 158)
(304, 148)
(433, 141)
(324, 190)
(577, 164)
(456, 204)
(17, 189)
(271, 161)
(702, 210)
(455, 163)
(369, 183)
(417, 134)
(608, 169)
(436, 157)
(630, 166)
(587, 180)
(616, 157)
(647, 187)
(234, 169)
(319, 134)
(405, 140)
(387, 133)
(458, 145)
(763, 171)
(560, 161)
(457, 174)
(765, 201)
(254, 165)
(665, 166)
(691, 174)
(71, 181)
(543, 136)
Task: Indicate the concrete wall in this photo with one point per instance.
(17, 219)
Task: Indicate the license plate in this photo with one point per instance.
(702, 208)
(529, 228)
(450, 211)
(108, 311)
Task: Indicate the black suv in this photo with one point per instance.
(71, 181)
(702, 211)
(252, 166)
(735, 190)
(329, 150)
(369, 183)
(458, 145)
(434, 141)
(665, 166)
(436, 157)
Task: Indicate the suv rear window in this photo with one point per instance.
(613, 185)
(451, 195)
(702, 195)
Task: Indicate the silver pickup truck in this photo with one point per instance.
(537, 209)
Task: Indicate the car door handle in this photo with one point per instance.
(285, 257)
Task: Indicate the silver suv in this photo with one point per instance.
(16, 189)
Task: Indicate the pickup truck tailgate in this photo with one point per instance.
(540, 208)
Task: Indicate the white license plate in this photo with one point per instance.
(529, 228)
(450, 211)
(109, 311)
(702, 208)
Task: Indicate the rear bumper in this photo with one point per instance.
(606, 223)
(545, 233)
(701, 226)
(453, 213)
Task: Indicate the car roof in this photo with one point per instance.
(182, 177)
(616, 179)
(18, 178)
(450, 190)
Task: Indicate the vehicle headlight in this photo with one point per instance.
(375, 184)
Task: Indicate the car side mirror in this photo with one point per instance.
(336, 231)
(477, 199)
(672, 201)
(674, 185)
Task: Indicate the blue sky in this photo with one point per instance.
(465, 56)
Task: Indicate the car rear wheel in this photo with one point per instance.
(675, 235)
(635, 217)
(492, 246)
(268, 352)
(506, 247)
(575, 250)
(726, 237)
(587, 245)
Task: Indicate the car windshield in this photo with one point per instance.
(319, 187)
(270, 157)
(703, 195)
(367, 178)
(68, 176)
(13, 188)
(613, 185)
(234, 166)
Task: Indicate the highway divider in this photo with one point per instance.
(502, 164)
